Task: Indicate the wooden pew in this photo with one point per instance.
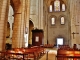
(29, 53)
(48, 45)
(23, 53)
(32, 54)
(9, 55)
(39, 51)
(68, 54)
(2, 55)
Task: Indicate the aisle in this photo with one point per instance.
(51, 55)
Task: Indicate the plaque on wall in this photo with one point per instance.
(37, 39)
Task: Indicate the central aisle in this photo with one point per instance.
(51, 54)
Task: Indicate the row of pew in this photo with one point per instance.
(48, 45)
(66, 53)
(22, 53)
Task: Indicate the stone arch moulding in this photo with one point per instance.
(30, 20)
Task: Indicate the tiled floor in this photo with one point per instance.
(51, 55)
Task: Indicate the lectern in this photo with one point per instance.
(37, 37)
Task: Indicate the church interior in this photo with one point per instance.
(39, 30)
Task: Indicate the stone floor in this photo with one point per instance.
(50, 54)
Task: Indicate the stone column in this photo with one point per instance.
(77, 25)
(21, 21)
(74, 21)
(40, 14)
(27, 16)
(45, 25)
(3, 23)
(17, 28)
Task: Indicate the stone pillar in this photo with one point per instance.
(45, 18)
(21, 21)
(3, 23)
(17, 28)
(74, 9)
(16, 31)
(27, 16)
(77, 16)
(40, 14)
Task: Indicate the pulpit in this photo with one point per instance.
(37, 37)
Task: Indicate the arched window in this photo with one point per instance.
(62, 20)
(50, 8)
(52, 21)
(63, 7)
(56, 5)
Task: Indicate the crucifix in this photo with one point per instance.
(74, 33)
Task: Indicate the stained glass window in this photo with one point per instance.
(53, 21)
(62, 20)
(50, 8)
(57, 5)
(63, 7)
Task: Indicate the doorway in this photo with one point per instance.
(59, 41)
